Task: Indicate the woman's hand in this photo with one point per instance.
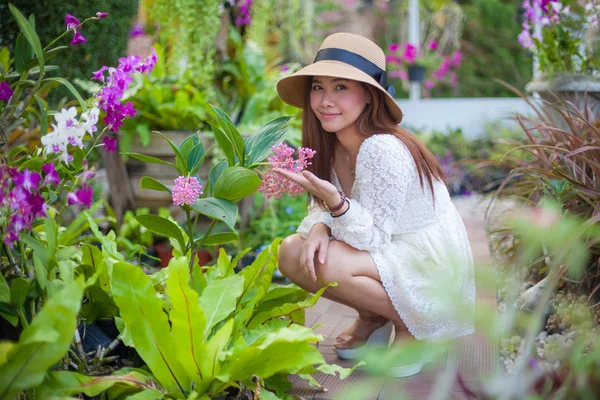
(320, 188)
(317, 241)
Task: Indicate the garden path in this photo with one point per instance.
(475, 355)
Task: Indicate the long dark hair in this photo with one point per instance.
(375, 119)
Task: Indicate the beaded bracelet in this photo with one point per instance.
(347, 209)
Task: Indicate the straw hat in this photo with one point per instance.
(342, 55)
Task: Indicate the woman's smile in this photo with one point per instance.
(329, 116)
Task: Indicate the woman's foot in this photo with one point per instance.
(359, 332)
(411, 365)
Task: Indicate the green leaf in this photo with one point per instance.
(9, 313)
(287, 349)
(211, 364)
(147, 324)
(162, 226)
(215, 173)
(333, 369)
(150, 183)
(224, 144)
(196, 158)
(19, 288)
(30, 35)
(232, 133)
(4, 290)
(181, 163)
(219, 238)
(220, 209)
(72, 89)
(187, 318)
(38, 248)
(219, 298)
(43, 116)
(187, 145)
(280, 383)
(287, 309)
(260, 144)
(236, 183)
(67, 383)
(149, 159)
(5, 59)
(35, 353)
(20, 50)
(51, 235)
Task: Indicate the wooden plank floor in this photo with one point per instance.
(472, 357)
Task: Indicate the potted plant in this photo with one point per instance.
(565, 51)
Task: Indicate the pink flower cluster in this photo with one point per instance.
(275, 185)
(186, 190)
(551, 12)
(21, 201)
(411, 55)
(73, 23)
(116, 82)
(244, 17)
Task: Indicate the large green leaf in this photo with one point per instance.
(251, 274)
(235, 138)
(43, 343)
(224, 143)
(67, 383)
(150, 183)
(4, 290)
(211, 362)
(259, 145)
(30, 35)
(162, 226)
(220, 209)
(215, 173)
(147, 325)
(287, 349)
(287, 308)
(219, 299)
(187, 318)
(236, 183)
(196, 158)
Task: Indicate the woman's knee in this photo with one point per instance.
(289, 254)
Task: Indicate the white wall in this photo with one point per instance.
(469, 114)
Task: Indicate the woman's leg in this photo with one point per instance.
(359, 284)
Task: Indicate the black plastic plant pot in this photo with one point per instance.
(416, 73)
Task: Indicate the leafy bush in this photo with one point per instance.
(563, 164)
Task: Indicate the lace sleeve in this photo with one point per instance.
(315, 215)
(385, 170)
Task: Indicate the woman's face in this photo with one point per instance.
(337, 102)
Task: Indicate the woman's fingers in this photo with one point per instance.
(308, 264)
(323, 247)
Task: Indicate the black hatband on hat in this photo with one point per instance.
(359, 62)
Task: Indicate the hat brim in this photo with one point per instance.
(292, 89)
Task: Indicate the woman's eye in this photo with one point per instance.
(316, 87)
(340, 87)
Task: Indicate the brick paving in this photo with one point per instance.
(475, 356)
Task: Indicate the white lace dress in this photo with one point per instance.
(419, 245)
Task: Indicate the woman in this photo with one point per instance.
(380, 223)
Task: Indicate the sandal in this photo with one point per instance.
(349, 349)
(411, 368)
